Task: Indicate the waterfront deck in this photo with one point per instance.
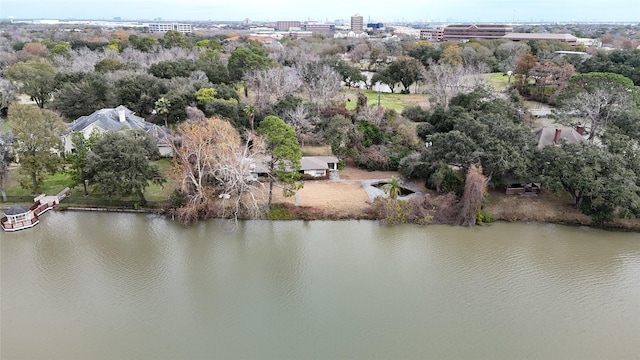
(20, 217)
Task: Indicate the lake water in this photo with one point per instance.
(129, 286)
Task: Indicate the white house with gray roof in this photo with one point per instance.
(318, 166)
(116, 119)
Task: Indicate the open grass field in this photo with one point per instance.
(396, 102)
(498, 81)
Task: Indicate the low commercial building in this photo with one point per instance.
(568, 38)
(433, 34)
(287, 25)
(319, 28)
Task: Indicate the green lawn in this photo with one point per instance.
(387, 100)
(498, 81)
(57, 182)
(53, 184)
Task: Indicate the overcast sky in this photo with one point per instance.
(374, 10)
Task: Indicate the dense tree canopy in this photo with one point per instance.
(599, 180)
(623, 62)
(282, 145)
(38, 142)
(172, 68)
(477, 129)
(405, 70)
(246, 59)
(139, 92)
(79, 98)
(119, 164)
(36, 79)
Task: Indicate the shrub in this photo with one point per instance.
(225, 109)
(445, 180)
(484, 217)
(280, 212)
(415, 113)
(427, 209)
(371, 133)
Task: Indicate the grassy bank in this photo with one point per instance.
(156, 195)
(325, 200)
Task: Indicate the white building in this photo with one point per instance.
(164, 27)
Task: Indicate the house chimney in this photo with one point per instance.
(556, 138)
(580, 129)
(121, 115)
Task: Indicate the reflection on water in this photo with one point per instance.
(87, 285)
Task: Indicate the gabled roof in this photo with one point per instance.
(547, 136)
(109, 119)
(317, 162)
(116, 119)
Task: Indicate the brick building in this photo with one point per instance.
(466, 32)
(287, 25)
(357, 23)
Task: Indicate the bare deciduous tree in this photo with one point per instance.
(359, 52)
(320, 81)
(509, 53)
(8, 93)
(299, 119)
(596, 108)
(212, 167)
(195, 114)
(444, 81)
(373, 114)
(270, 85)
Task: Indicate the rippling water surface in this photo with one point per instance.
(116, 286)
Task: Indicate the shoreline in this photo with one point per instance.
(350, 198)
(317, 214)
(313, 213)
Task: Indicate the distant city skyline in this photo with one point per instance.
(328, 10)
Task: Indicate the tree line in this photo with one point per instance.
(192, 83)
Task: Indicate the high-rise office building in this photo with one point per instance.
(357, 23)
